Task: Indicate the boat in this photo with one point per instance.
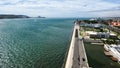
(114, 59)
(106, 47)
(114, 50)
(107, 53)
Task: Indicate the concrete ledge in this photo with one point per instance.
(69, 60)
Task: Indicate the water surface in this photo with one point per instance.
(34, 43)
(97, 59)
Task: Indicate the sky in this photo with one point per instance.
(61, 8)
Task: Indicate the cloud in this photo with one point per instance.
(115, 13)
(113, 1)
(59, 8)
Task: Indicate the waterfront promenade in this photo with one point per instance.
(76, 57)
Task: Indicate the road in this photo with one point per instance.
(83, 57)
(76, 55)
(114, 29)
(79, 58)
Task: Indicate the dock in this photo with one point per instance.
(76, 57)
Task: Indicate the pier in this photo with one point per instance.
(76, 57)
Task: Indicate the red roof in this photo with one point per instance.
(115, 24)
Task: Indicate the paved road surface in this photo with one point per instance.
(76, 55)
(79, 56)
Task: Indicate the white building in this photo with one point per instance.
(92, 34)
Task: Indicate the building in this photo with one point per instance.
(92, 34)
(92, 25)
(116, 23)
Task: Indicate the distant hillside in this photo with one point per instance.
(5, 16)
(40, 17)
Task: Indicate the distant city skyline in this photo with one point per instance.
(61, 8)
